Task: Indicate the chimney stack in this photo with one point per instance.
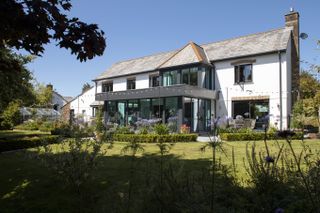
(50, 86)
(292, 20)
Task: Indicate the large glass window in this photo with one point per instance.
(252, 109)
(170, 78)
(171, 113)
(157, 108)
(243, 73)
(112, 114)
(121, 113)
(185, 76)
(197, 114)
(190, 76)
(187, 118)
(171, 108)
(145, 111)
(107, 87)
(131, 83)
(194, 76)
(133, 109)
(208, 78)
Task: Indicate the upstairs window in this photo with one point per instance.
(190, 76)
(131, 83)
(154, 81)
(107, 87)
(243, 73)
(170, 78)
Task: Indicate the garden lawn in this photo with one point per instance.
(28, 186)
(20, 133)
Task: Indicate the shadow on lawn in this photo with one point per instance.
(28, 186)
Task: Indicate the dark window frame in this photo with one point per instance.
(131, 83)
(242, 79)
(107, 87)
(152, 81)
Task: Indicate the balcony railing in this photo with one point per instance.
(158, 92)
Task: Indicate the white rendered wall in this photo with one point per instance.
(82, 102)
(142, 81)
(120, 84)
(265, 82)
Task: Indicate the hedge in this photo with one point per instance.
(253, 136)
(153, 138)
(26, 142)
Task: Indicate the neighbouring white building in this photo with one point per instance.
(254, 76)
(82, 107)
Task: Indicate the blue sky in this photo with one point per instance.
(143, 27)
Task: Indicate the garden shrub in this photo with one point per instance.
(235, 130)
(153, 138)
(46, 126)
(253, 136)
(28, 125)
(124, 130)
(61, 128)
(26, 142)
(11, 115)
(161, 129)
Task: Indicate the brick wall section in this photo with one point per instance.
(65, 112)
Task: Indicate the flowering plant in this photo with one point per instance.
(184, 129)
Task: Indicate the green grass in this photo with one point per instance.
(27, 186)
(7, 134)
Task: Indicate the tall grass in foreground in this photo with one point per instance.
(279, 180)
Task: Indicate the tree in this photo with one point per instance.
(43, 95)
(11, 115)
(29, 25)
(306, 110)
(309, 85)
(86, 87)
(15, 79)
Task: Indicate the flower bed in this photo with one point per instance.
(153, 138)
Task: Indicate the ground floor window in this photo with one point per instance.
(194, 112)
(252, 109)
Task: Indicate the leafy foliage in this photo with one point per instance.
(43, 95)
(161, 129)
(29, 25)
(11, 115)
(15, 79)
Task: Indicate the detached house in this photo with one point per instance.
(254, 76)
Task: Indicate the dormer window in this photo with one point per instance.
(131, 83)
(107, 87)
(243, 73)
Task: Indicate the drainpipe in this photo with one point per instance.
(280, 88)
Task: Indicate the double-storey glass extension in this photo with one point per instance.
(180, 96)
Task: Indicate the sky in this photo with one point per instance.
(136, 28)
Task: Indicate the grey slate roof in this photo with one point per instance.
(253, 44)
(249, 45)
(191, 53)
